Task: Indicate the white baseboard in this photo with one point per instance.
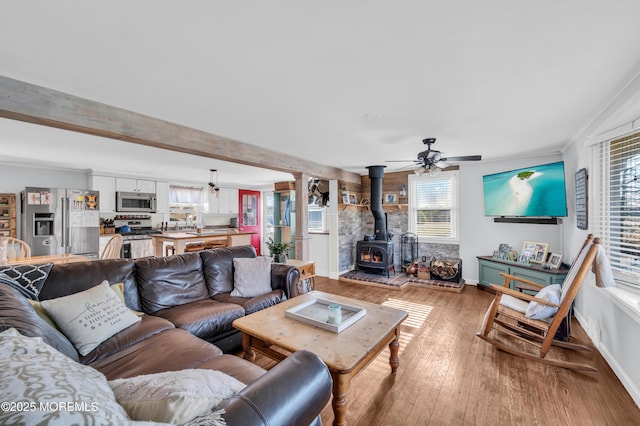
(611, 360)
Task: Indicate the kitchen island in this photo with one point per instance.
(180, 239)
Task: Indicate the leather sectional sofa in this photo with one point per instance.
(191, 290)
(188, 313)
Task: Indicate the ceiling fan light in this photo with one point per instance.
(420, 170)
(434, 170)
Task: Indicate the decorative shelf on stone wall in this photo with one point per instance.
(385, 207)
(352, 207)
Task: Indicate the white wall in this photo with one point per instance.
(480, 235)
(319, 253)
(15, 178)
(613, 331)
(612, 325)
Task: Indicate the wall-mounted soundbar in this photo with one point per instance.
(535, 220)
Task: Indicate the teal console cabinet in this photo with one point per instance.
(490, 269)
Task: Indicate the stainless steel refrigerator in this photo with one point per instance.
(60, 221)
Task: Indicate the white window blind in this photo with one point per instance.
(433, 205)
(616, 180)
(316, 219)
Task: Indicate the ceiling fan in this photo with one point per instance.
(432, 160)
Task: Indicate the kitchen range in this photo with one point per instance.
(136, 231)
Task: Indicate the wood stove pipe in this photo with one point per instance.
(376, 174)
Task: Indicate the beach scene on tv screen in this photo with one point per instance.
(537, 191)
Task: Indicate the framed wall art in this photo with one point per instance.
(582, 214)
(390, 198)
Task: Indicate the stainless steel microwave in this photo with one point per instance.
(135, 202)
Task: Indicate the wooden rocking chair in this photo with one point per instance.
(506, 314)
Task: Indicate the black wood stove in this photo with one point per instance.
(375, 254)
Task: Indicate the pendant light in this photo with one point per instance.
(213, 182)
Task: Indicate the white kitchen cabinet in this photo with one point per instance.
(233, 201)
(107, 187)
(135, 185)
(162, 197)
(226, 201)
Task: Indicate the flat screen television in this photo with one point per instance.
(537, 191)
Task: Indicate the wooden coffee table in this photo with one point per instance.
(272, 334)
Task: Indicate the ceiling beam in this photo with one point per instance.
(39, 105)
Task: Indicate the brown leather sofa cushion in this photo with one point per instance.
(147, 327)
(243, 370)
(70, 278)
(253, 304)
(171, 350)
(164, 282)
(17, 312)
(218, 267)
(205, 318)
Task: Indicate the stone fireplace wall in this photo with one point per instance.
(397, 224)
(349, 232)
(354, 225)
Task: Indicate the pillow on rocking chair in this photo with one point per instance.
(540, 311)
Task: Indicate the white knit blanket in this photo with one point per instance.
(178, 397)
(602, 269)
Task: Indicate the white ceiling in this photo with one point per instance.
(342, 83)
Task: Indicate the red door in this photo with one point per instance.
(249, 217)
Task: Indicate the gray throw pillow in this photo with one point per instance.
(251, 277)
(27, 279)
(536, 310)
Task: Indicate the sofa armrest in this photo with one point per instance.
(294, 392)
(284, 277)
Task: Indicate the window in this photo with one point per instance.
(185, 204)
(185, 195)
(433, 206)
(316, 220)
(616, 213)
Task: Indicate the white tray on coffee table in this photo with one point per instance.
(316, 312)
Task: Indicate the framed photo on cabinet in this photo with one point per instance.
(537, 252)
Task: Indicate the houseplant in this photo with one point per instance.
(278, 250)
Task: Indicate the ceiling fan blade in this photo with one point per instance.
(401, 161)
(463, 158)
(403, 168)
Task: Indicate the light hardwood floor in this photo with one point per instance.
(447, 376)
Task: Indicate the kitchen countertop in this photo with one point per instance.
(179, 239)
(204, 233)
